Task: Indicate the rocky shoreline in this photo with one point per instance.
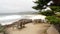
(24, 21)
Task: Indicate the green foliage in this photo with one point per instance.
(51, 16)
(47, 13)
(1, 28)
(58, 14)
(53, 20)
(55, 8)
(40, 4)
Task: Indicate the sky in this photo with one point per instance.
(13, 6)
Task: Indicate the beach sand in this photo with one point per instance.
(30, 29)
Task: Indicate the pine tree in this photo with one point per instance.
(52, 16)
(40, 4)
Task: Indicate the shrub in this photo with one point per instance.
(55, 8)
(58, 14)
(47, 13)
(53, 19)
(2, 28)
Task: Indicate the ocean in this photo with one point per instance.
(9, 18)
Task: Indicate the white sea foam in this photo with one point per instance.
(6, 20)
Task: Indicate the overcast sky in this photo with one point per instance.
(10, 6)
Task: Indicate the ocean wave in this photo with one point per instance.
(12, 18)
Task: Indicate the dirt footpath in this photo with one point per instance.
(30, 29)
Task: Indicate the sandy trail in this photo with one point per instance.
(30, 29)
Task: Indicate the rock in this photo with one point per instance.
(52, 30)
(21, 23)
(25, 21)
(38, 21)
(1, 33)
